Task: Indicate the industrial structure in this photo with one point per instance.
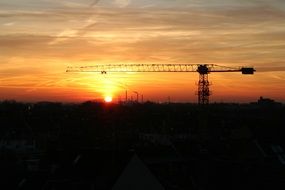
(203, 70)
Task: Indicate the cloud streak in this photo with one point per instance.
(272, 69)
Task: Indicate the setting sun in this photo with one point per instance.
(108, 99)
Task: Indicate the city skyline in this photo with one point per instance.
(39, 39)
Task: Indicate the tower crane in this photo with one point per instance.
(203, 69)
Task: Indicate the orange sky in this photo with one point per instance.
(40, 38)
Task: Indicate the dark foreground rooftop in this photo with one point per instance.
(142, 146)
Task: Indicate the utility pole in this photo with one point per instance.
(137, 95)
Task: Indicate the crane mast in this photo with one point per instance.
(203, 70)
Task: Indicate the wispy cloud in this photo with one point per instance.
(219, 34)
(95, 2)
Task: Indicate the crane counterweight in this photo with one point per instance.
(247, 70)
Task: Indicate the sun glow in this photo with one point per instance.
(108, 99)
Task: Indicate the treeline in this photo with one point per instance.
(97, 124)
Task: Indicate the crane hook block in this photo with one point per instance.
(247, 70)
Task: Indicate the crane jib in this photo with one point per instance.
(203, 70)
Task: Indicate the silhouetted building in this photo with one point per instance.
(267, 102)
